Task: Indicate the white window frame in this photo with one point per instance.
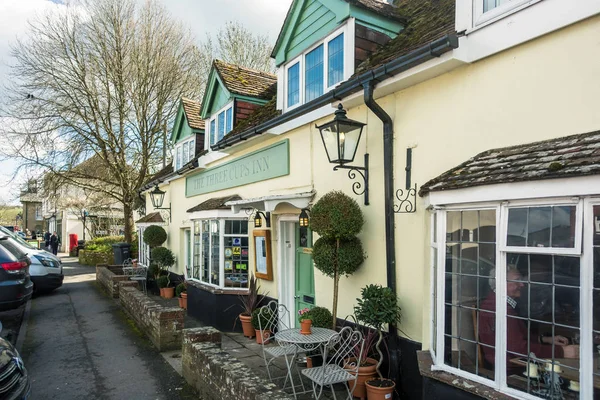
(213, 136)
(222, 236)
(481, 18)
(181, 158)
(583, 249)
(348, 29)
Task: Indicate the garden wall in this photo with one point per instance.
(163, 325)
(109, 276)
(219, 376)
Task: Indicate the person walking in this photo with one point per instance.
(47, 238)
(54, 242)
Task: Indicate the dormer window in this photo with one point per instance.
(221, 123)
(319, 69)
(184, 152)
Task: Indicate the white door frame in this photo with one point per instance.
(286, 261)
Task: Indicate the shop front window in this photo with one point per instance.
(221, 252)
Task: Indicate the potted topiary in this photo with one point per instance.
(378, 306)
(164, 259)
(181, 293)
(265, 334)
(337, 218)
(249, 303)
(163, 283)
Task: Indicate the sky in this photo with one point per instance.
(201, 16)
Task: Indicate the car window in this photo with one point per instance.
(16, 237)
(12, 248)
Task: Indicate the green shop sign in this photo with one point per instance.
(267, 163)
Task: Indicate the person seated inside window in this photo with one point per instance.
(516, 329)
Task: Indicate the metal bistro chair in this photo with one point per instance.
(335, 368)
(277, 318)
(138, 274)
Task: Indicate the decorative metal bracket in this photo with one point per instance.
(357, 187)
(407, 196)
(164, 212)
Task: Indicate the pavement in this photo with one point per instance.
(77, 343)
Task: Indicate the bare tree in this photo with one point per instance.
(99, 80)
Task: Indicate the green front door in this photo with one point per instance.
(305, 283)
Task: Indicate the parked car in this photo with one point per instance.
(45, 270)
(14, 379)
(15, 285)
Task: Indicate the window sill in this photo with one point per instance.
(216, 290)
(425, 363)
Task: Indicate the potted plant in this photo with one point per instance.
(337, 218)
(265, 334)
(249, 303)
(376, 307)
(367, 365)
(163, 259)
(181, 293)
(305, 321)
(163, 283)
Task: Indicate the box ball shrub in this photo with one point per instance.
(349, 256)
(336, 215)
(154, 235)
(163, 257)
(321, 317)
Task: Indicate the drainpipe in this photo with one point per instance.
(390, 238)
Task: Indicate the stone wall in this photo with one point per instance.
(219, 376)
(163, 325)
(109, 276)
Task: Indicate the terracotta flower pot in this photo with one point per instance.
(380, 389)
(183, 300)
(365, 373)
(305, 325)
(162, 292)
(309, 363)
(168, 292)
(247, 327)
(263, 336)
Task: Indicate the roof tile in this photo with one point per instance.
(153, 217)
(215, 203)
(192, 113)
(246, 81)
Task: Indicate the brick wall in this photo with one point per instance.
(109, 276)
(219, 376)
(163, 325)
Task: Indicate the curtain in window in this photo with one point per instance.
(314, 73)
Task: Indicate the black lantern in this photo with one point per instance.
(157, 197)
(341, 137)
(258, 216)
(303, 219)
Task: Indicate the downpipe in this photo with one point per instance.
(390, 235)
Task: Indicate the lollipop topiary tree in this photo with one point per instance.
(337, 218)
(155, 236)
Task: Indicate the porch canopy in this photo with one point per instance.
(270, 203)
(214, 207)
(154, 218)
(520, 170)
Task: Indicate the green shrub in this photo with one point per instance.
(163, 281)
(320, 316)
(104, 244)
(336, 215)
(155, 235)
(155, 271)
(349, 256)
(377, 306)
(264, 318)
(163, 257)
(180, 289)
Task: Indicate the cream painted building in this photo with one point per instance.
(517, 72)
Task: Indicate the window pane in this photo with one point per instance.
(491, 4)
(293, 85)
(213, 132)
(542, 309)
(229, 119)
(595, 220)
(517, 227)
(192, 149)
(186, 149)
(470, 312)
(205, 251)
(179, 157)
(221, 126)
(563, 226)
(314, 73)
(197, 250)
(335, 50)
(215, 265)
(542, 226)
(538, 227)
(236, 258)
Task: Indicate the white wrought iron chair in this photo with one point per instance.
(335, 368)
(276, 317)
(138, 274)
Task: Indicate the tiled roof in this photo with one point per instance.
(246, 81)
(380, 7)
(161, 174)
(426, 21)
(192, 113)
(216, 203)
(260, 115)
(153, 217)
(569, 156)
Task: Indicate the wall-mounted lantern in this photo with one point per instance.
(303, 219)
(341, 137)
(157, 197)
(258, 216)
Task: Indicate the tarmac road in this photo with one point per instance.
(80, 345)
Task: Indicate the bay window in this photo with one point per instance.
(220, 252)
(517, 296)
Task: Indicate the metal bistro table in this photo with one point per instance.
(293, 337)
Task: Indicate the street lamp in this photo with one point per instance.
(157, 197)
(341, 137)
